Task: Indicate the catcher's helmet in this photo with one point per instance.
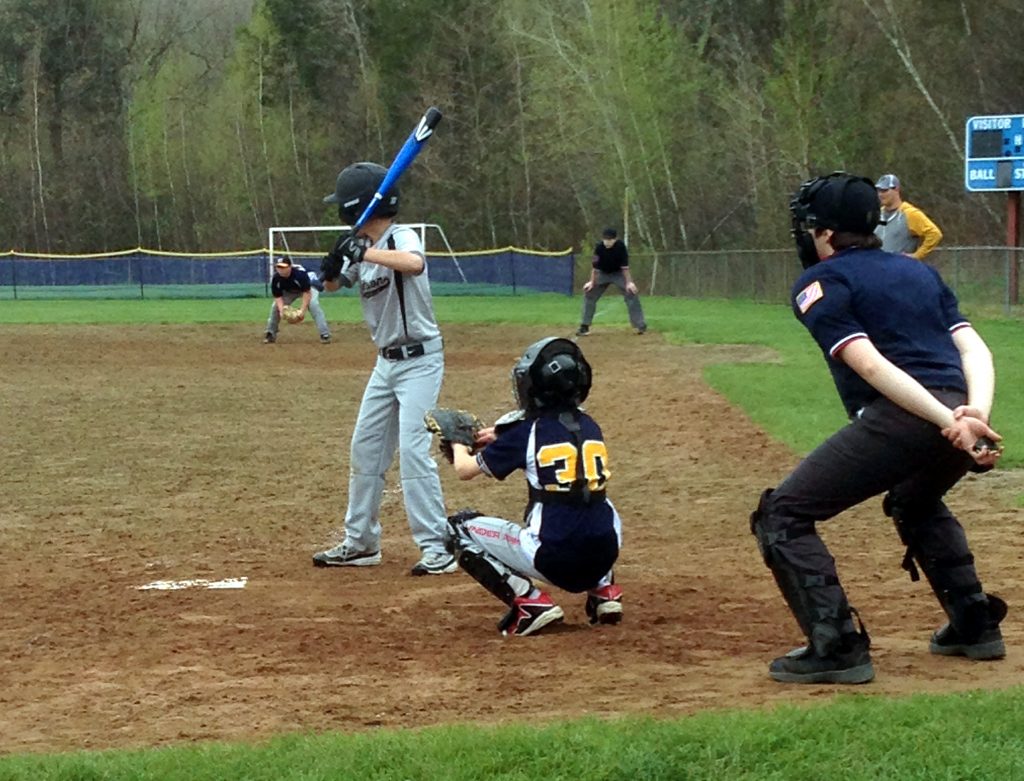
(551, 374)
(839, 201)
(355, 188)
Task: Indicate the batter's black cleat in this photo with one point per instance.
(583, 330)
(344, 555)
(604, 605)
(269, 338)
(325, 338)
(530, 614)
(851, 663)
(987, 645)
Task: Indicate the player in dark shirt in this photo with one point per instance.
(573, 532)
(292, 282)
(611, 267)
(917, 382)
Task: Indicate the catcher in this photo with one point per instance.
(917, 382)
(573, 532)
(290, 283)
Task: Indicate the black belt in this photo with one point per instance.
(402, 352)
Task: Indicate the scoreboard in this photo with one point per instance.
(994, 153)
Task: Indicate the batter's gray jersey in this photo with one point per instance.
(398, 307)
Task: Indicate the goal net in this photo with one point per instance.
(307, 244)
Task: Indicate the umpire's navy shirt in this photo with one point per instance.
(899, 303)
(296, 282)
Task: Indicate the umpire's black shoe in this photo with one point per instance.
(947, 641)
(850, 664)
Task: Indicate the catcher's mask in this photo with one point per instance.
(552, 374)
(839, 201)
(355, 188)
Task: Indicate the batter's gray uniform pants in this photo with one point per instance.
(314, 309)
(601, 282)
(396, 398)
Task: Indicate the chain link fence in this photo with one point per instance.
(980, 276)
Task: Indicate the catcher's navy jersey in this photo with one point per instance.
(899, 303)
(578, 543)
(296, 282)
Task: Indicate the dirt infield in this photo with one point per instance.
(172, 453)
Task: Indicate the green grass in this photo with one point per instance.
(340, 307)
(976, 736)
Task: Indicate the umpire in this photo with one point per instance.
(611, 267)
(917, 382)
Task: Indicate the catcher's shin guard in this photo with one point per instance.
(494, 576)
(500, 580)
(937, 544)
(816, 599)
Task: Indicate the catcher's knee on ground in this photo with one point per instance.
(815, 598)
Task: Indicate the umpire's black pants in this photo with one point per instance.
(884, 448)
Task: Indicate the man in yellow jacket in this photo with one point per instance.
(904, 228)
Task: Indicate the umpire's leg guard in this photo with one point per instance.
(937, 544)
(805, 573)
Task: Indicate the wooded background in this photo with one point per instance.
(193, 125)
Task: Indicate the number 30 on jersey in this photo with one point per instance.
(563, 456)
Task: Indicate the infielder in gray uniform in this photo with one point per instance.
(387, 264)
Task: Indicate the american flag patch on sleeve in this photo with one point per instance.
(807, 297)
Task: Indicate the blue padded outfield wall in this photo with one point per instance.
(148, 274)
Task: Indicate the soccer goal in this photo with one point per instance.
(307, 244)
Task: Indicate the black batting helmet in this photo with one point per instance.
(839, 201)
(551, 374)
(355, 188)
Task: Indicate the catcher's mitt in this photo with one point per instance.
(452, 425)
(292, 314)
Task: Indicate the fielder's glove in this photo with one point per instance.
(292, 314)
(452, 425)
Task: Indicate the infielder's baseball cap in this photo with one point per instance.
(609, 233)
(887, 182)
(283, 262)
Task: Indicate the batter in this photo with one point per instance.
(387, 264)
